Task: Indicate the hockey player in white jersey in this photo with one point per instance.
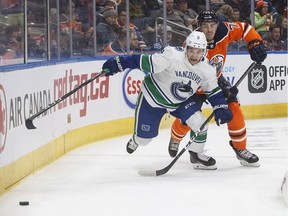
(174, 76)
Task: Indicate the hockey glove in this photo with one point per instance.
(229, 92)
(200, 98)
(257, 51)
(222, 114)
(113, 65)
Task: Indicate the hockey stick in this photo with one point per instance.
(29, 122)
(167, 168)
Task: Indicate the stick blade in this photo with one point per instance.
(155, 172)
(29, 124)
(147, 173)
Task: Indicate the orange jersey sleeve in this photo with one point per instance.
(226, 33)
(240, 30)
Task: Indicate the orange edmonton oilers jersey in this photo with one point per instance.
(225, 34)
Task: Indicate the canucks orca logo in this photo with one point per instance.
(178, 88)
(217, 61)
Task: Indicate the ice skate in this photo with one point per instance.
(131, 146)
(202, 161)
(246, 157)
(173, 147)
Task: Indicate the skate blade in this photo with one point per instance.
(245, 163)
(198, 166)
(173, 153)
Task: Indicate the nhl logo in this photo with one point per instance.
(258, 79)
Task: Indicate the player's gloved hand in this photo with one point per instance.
(200, 98)
(230, 92)
(257, 51)
(222, 114)
(113, 66)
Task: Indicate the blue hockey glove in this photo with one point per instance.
(222, 114)
(257, 51)
(113, 65)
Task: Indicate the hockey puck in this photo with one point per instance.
(24, 203)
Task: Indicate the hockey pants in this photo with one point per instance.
(236, 127)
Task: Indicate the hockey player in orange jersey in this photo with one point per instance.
(219, 35)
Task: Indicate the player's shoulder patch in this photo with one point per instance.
(178, 48)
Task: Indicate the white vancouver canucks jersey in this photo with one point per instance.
(172, 79)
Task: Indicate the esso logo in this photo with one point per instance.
(3, 118)
(132, 82)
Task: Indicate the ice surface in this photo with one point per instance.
(101, 179)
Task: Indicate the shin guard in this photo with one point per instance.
(236, 127)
